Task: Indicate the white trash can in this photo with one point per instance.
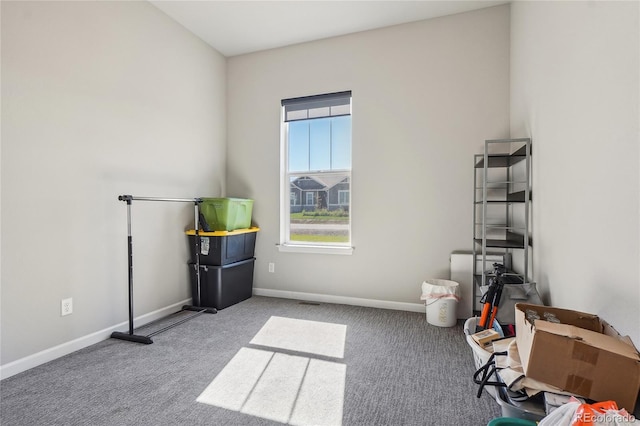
(441, 299)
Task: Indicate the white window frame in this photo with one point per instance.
(285, 205)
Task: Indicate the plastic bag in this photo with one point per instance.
(435, 289)
(561, 416)
(604, 413)
(575, 413)
(512, 294)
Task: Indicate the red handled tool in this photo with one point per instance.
(496, 302)
(491, 299)
(486, 308)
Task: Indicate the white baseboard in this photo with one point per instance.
(63, 349)
(341, 300)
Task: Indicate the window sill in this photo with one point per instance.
(299, 248)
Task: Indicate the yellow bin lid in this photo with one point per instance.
(223, 233)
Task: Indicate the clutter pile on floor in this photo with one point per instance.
(561, 368)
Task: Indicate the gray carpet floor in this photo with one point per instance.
(400, 371)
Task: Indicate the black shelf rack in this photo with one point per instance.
(501, 207)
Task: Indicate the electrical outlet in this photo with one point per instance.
(66, 307)
(272, 267)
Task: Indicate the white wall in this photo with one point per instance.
(425, 97)
(100, 99)
(575, 91)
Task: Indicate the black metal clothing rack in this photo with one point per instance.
(130, 336)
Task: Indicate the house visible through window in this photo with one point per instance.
(316, 174)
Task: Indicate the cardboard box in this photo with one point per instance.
(485, 337)
(583, 355)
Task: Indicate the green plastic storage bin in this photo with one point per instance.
(227, 214)
(508, 421)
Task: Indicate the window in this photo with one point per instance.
(310, 199)
(316, 172)
(343, 198)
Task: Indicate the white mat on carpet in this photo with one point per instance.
(285, 388)
(314, 337)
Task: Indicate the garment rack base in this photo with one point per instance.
(137, 338)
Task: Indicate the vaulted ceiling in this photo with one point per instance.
(239, 27)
